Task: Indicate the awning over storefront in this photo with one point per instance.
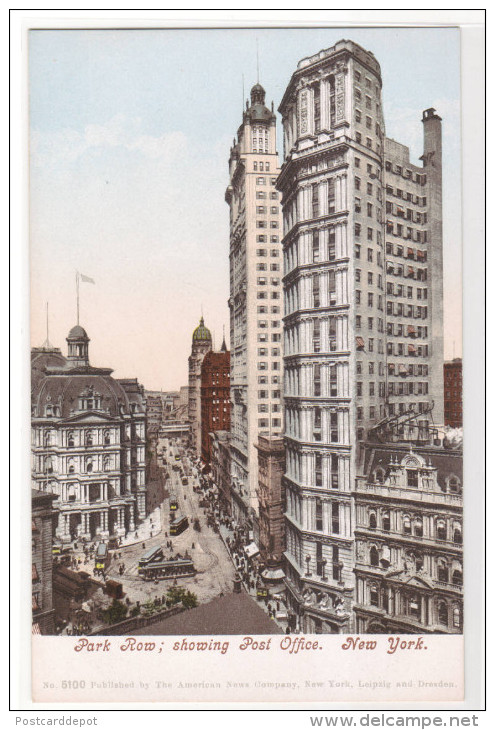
(251, 550)
(273, 574)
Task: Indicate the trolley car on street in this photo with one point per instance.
(179, 525)
(152, 555)
(174, 504)
(164, 569)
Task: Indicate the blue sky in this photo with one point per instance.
(130, 136)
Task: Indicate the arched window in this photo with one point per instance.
(71, 468)
(443, 614)
(418, 527)
(372, 520)
(380, 476)
(457, 617)
(89, 438)
(386, 520)
(441, 530)
(106, 437)
(48, 465)
(70, 439)
(406, 525)
(47, 438)
(443, 571)
(89, 465)
(374, 558)
(106, 463)
(454, 484)
(457, 533)
(457, 574)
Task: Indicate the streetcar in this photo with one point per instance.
(174, 504)
(179, 525)
(164, 569)
(153, 555)
(102, 556)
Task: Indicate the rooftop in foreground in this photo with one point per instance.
(235, 613)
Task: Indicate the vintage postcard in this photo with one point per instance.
(247, 476)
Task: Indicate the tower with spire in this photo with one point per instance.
(255, 300)
(201, 344)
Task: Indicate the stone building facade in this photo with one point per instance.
(344, 361)
(255, 297)
(42, 514)
(215, 397)
(271, 500)
(409, 555)
(201, 344)
(221, 466)
(88, 443)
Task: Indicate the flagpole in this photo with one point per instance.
(77, 294)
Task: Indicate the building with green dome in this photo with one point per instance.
(201, 344)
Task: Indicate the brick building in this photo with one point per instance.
(215, 397)
(453, 392)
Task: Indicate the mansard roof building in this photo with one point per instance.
(88, 442)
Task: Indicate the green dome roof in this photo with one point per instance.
(201, 332)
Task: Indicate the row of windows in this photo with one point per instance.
(264, 252)
(264, 224)
(263, 337)
(262, 238)
(357, 253)
(409, 253)
(404, 195)
(379, 280)
(263, 351)
(261, 166)
(408, 388)
(263, 365)
(420, 179)
(370, 233)
(400, 330)
(264, 310)
(370, 323)
(374, 173)
(264, 295)
(369, 208)
(264, 267)
(262, 181)
(403, 310)
(369, 142)
(406, 232)
(408, 214)
(265, 422)
(261, 195)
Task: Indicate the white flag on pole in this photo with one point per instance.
(87, 279)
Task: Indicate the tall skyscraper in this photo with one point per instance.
(346, 320)
(201, 344)
(255, 298)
